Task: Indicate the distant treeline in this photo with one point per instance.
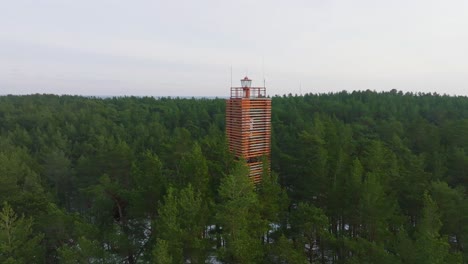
(360, 177)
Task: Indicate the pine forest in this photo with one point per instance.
(360, 177)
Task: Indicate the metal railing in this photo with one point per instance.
(252, 92)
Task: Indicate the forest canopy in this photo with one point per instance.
(361, 177)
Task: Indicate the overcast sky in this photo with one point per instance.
(187, 48)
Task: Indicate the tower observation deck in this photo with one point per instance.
(248, 126)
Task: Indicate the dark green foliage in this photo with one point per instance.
(359, 177)
(181, 226)
(239, 217)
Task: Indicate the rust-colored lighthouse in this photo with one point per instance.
(248, 126)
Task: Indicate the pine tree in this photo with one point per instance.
(18, 243)
(429, 245)
(238, 215)
(181, 225)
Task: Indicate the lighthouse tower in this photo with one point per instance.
(248, 126)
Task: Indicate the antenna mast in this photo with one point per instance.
(263, 70)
